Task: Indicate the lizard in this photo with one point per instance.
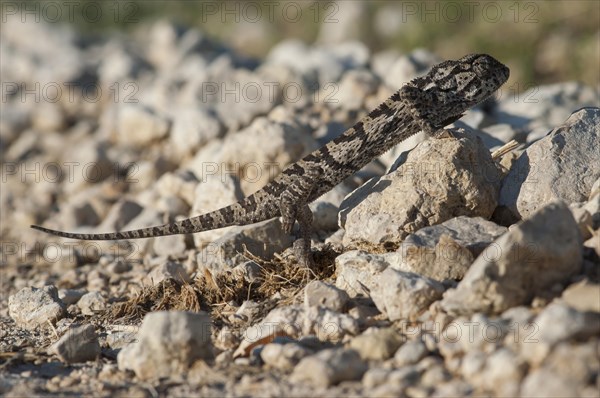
(427, 103)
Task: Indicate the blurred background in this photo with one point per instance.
(169, 86)
(541, 41)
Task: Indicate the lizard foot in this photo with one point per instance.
(443, 133)
(303, 253)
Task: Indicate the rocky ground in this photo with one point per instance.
(451, 269)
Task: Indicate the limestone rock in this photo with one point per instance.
(139, 125)
(318, 293)
(377, 344)
(79, 344)
(168, 344)
(439, 180)
(91, 303)
(31, 307)
(262, 239)
(562, 165)
(533, 256)
(329, 367)
(404, 295)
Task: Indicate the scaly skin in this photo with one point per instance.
(427, 103)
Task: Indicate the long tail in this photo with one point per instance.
(241, 213)
(190, 225)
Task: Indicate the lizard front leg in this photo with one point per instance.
(419, 102)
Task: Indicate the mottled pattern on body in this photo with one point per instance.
(426, 103)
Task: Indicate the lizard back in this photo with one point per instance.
(426, 103)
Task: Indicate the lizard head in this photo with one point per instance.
(470, 79)
(452, 87)
(487, 75)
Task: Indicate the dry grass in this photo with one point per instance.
(166, 295)
(212, 291)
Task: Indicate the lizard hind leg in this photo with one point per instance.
(294, 207)
(302, 244)
(292, 211)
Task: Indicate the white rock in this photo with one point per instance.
(192, 128)
(79, 344)
(583, 296)
(545, 383)
(558, 322)
(250, 270)
(329, 367)
(436, 182)
(433, 373)
(319, 63)
(318, 293)
(407, 67)
(502, 373)
(583, 218)
(479, 334)
(381, 62)
(410, 353)
(375, 377)
(354, 87)
(290, 318)
(376, 344)
(400, 151)
(182, 183)
(576, 361)
(254, 95)
(531, 257)
(283, 356)
(13, 121)
(214, 191)
(120, 214)
(472, 233)
(226, 339)
(472, 364)
(446, 251)
(88, 164)
(356, 270)
(116, 65)
(91, 303)
(48, 117)
(31, 307)
(166, 270)
(499, 134)
(261, 151)
(539, 109)
(403, 295)
(562, 165)
(168, 344)
(326, 208)
(329, 325)
(138, 125)
(70, 296)
(26, 142)
(453, 388)
(281, 321)
(172, 245)
(262, 239)
(247, 312)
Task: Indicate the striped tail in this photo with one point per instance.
(241, 213)
(190, 225)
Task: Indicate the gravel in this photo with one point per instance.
(451, 273)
